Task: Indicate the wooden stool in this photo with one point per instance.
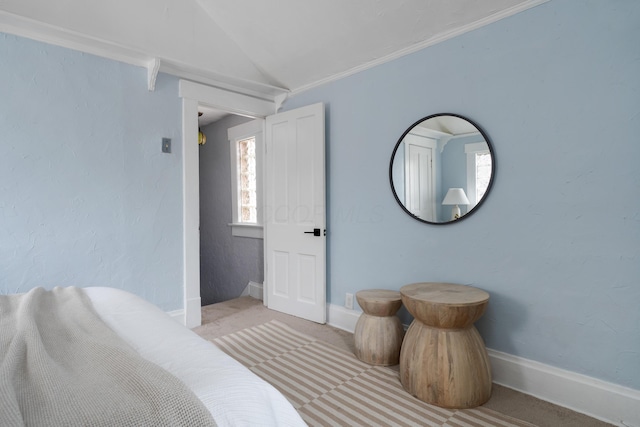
(378, 334)
(443, 360)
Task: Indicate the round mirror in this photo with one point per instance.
(442, 168)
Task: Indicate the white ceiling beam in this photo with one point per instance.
(225, 100)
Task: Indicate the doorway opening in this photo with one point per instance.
(231, 255)
(294, 166)
(193, 95)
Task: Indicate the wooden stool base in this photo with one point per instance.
(431, 357)
(378, 334)
(378, 339)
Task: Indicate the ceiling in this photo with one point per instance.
(263, 48)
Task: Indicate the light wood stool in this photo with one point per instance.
(378, 334)
(443, 360)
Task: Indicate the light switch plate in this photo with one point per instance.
(166, 145)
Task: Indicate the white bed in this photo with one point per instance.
(230, 392)
(233, 394)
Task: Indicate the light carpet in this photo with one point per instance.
(331, 387)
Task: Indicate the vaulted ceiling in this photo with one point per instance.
(264, 48)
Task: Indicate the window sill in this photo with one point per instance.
(247, 230)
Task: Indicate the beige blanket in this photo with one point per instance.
(60, 365)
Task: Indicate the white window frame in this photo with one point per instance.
(471, 150)
(250, 129)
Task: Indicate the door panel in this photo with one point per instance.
(420, 177)
(281, 277)
(295, 270)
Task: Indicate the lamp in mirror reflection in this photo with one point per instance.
(455, 197)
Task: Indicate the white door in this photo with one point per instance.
(295, 220)
(420, 177)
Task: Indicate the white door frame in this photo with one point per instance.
(192, 95)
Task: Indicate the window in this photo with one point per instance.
(482, 173)
(247, 186)
(478, 171)
(246, 179)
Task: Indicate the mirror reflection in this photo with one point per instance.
(441, 168)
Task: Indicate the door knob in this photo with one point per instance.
(315, 232)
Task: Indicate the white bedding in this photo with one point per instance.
(233, 394)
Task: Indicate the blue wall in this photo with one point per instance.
(557, 242)
(86, 195)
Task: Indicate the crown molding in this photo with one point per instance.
(424, 44)
(35, 30)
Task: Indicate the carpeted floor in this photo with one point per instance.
(231, 316)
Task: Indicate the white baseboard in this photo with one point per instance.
(342, 318)
(590, 396)
(254, 290)
(605, 401)
(177, 315)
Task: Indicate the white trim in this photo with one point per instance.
(603, 400)
(599, 399)
(521, 7)
(342, 318)
(192, 94)
(36, 30)
(254, 231)
(193, 311)
(235, 84)
(50, 34)
(476, 147)
(279, 100)
(245, 130)
(232, 102)
(191, 213)
(254, 128)
(177, 315)
(153, 67)
(445, 140)
(254, 290)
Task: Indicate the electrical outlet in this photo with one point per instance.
(348, 301)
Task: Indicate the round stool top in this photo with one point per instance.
(444, 305)
(379, 302)
(445, 293)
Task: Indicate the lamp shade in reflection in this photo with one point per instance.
(456, 197)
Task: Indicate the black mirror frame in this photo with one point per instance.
(489, 186)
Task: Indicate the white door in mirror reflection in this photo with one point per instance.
(420, 176)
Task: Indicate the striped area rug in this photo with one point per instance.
(331, 387)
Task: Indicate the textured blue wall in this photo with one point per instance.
(557, 241)
(86, 195)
